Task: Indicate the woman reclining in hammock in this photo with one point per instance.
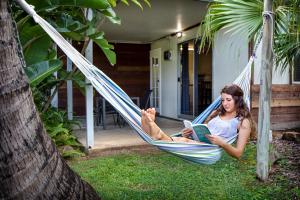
(231, 118)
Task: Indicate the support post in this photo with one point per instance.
(69, 91)
(54, 101)
(89, 95)
(262, 167)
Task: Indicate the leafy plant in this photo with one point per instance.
(245, 17)
(60, 130)
(39, 71)
(69, 17)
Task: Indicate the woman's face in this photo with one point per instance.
(228, 102)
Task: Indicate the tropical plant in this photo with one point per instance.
(59, 128)
(245, 17)
(69, 18)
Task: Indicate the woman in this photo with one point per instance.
(232, 117)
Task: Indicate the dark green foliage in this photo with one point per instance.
(60, 130)
(40, 54)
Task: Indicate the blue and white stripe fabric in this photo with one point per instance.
(199, 153)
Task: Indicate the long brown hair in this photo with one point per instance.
(242, 110)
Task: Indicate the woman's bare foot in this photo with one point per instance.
(151, 112)
(148, 116)
(149, 126)
(144, 121)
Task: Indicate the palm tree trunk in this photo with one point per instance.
(30, 165)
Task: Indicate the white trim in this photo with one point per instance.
(157, 54)
(89, 95)
(69, 91)
(178, 82)
(159, 85)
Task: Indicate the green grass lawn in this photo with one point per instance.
(163, 176)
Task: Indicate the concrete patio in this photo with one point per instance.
(116, 140)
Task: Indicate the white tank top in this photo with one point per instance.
(223, 128)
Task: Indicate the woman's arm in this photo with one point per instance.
(244, 134)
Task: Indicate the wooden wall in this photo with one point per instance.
(131, 73)
(132, 70)
(285, 106)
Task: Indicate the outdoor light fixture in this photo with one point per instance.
(179, 34)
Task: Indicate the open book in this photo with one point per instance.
(199, 131)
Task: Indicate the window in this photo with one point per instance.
(296, 72)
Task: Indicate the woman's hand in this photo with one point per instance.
(186, 132)
(214, 139)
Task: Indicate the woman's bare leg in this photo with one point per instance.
(151, 128)
(184, 139)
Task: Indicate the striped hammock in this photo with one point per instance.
(199, 153)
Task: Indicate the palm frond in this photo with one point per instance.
(245, 18)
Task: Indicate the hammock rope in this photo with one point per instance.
(199, 153)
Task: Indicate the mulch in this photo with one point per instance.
(288, 162)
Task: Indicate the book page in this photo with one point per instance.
(189, 125)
